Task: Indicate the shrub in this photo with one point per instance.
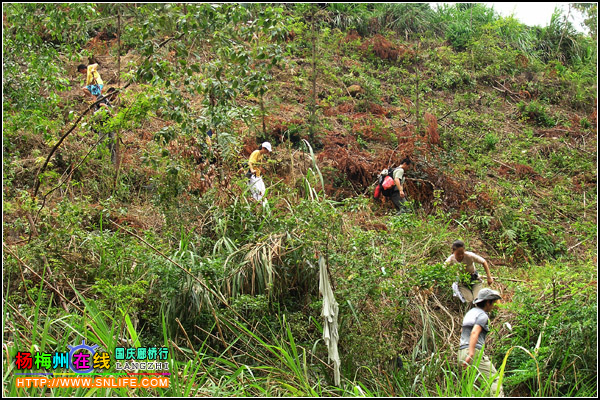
(490, 141)
(459, 34)
(585, 123)
(560, 325)
(536, 112)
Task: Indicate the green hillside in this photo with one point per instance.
(161, 243)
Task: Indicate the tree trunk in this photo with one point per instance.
(262, 110)
(417, 90)
(313, 108)
(117, 144)
(562, 35)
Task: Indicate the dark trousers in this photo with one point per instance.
(399, 202)
(111, 143)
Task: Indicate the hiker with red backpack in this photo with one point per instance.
(391, 184)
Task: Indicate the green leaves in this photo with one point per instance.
(536, 112)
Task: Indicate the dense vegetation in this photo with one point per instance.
(164, 246)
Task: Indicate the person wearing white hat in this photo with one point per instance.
(475, 327)
(256, 184)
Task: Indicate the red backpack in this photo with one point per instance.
(385, 183)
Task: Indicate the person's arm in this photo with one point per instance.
(252, 169)
(472, 342)
(449, 261)
(483, 262)
(399, 184)
(490, 280)
(252, 163)
(106, 107)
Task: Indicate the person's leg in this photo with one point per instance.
(496, 382)
(252, 186)
(489, 372)
(466, 292)
(462, 355)
(257, 187)
(403, 206)
(260, 185)
(87, 92)
(112, 147)
(399, 202)
(477, 286)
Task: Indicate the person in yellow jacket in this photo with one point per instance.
(93, 81)
(256, 184)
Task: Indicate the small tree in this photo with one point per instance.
(590, 14)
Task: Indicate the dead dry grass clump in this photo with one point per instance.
(100, 44)
(420, 191)
(250, 144)
(376, 109)
(280, 129)
(187, 147)
(355, 166)
(361, 169)
(344, 108)
(365, 129)
(200, 181)
(455, 193)
(351, 36)
(519, 171)
(594, 118)
(584, 182)
(379, 46)
(384, 49)
(291, 166)
(525, 171)
(433, 136)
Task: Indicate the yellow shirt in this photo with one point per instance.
(93, 77)
(255, 158)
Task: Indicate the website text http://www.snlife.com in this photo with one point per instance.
(89, 382)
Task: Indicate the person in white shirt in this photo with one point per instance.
(468, 291)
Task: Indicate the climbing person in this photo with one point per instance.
(212, 159)
(256, 184)
(475, 327)
(467, 291)
(209, 135)
(392, 185)
(102, 114)
(93, 81)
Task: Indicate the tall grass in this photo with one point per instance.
(273, 366)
